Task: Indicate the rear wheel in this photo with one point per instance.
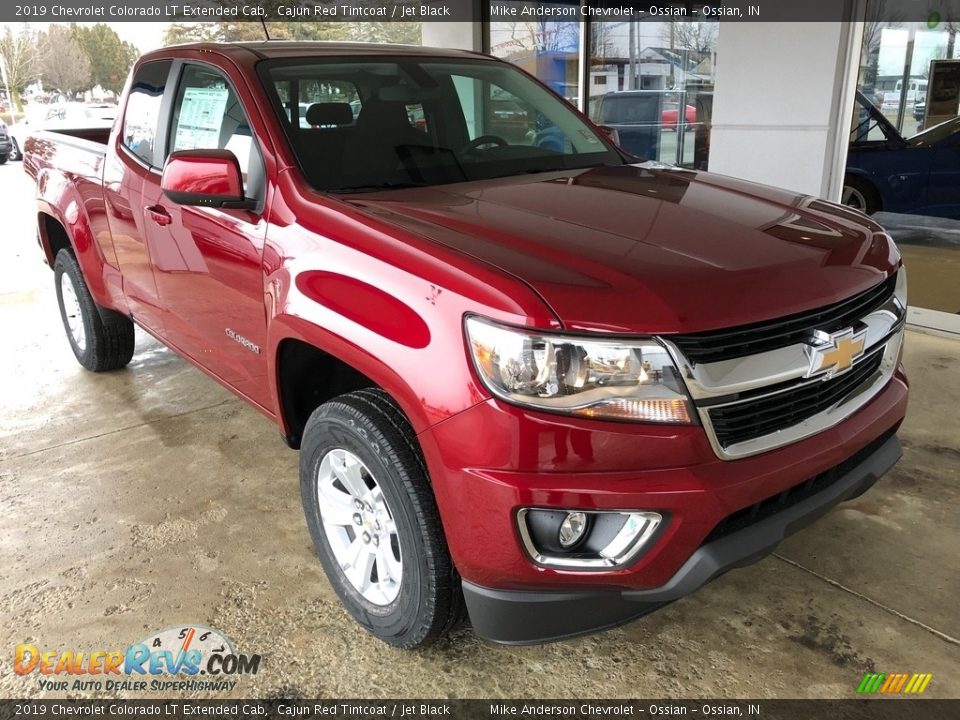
(860, 195)
(101, 339)
(374, 522)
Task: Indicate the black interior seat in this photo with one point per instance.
(382, 127)
(323, 143)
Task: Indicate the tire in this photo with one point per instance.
(101, 339)
(15, 153)
(860, 195)
(403, 532)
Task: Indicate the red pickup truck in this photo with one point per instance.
(545, 382)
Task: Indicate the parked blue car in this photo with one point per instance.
(917, 176)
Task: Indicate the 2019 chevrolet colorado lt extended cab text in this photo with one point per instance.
(542, 381)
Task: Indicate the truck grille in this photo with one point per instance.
(727, 344)
(749, 419)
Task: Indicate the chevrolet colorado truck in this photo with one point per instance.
(535, 379)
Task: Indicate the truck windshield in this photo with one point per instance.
(373, 124)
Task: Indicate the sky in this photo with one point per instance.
(145, 35)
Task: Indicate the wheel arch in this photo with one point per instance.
(308, 371)
(62, 222)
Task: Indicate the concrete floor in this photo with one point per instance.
(151, 497)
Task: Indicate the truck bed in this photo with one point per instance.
(79, 151)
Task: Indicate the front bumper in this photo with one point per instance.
(525, 617)
(6, 147)
(493, 459)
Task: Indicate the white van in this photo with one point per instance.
(916, 92)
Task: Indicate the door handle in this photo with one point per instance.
(158, 214)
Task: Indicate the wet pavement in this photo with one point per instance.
(152, 498)
(931, 254)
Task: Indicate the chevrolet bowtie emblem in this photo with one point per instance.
(835, 353)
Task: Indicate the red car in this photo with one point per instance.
(668, 118)
(548, 386)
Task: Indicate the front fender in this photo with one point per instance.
(404, 333)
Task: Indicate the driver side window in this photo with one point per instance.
(208, 115)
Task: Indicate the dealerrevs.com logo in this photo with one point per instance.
(204, 655)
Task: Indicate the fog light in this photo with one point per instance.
(572, 528)
(587, 539)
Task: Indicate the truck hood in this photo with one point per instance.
(651, 249)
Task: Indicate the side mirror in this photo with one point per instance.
(209, 178)
(610, 133)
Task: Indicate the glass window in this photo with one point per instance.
(431, 122)
(307, 92)
(549, 49)
(491, 110)
(653, 82)
(143, 109)
(902, 160)
(208, 115)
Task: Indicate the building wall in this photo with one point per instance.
(783, 103)
(458, 35)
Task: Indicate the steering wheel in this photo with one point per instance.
(482, 140)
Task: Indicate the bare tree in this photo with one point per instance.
(699, 38)
(952, 28)
(879, 16)
(21, 61)
(543, 36)
(63, 63)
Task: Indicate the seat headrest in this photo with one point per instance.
(329, 113)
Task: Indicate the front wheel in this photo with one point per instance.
(15, 153)
(860, 195)
(101, 339)
(373, 520)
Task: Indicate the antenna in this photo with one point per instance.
(263, 22)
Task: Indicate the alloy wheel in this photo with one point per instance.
(72, 312)
(359, 527)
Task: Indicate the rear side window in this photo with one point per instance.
(143, 109)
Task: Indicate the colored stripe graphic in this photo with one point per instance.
(894, 683)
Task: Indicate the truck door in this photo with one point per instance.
(133, 158)
(208, 261)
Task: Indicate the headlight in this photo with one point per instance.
(901, 289)
(604, 379)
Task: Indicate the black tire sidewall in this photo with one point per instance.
(871, 198)
(350, 430)
(66, 265)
